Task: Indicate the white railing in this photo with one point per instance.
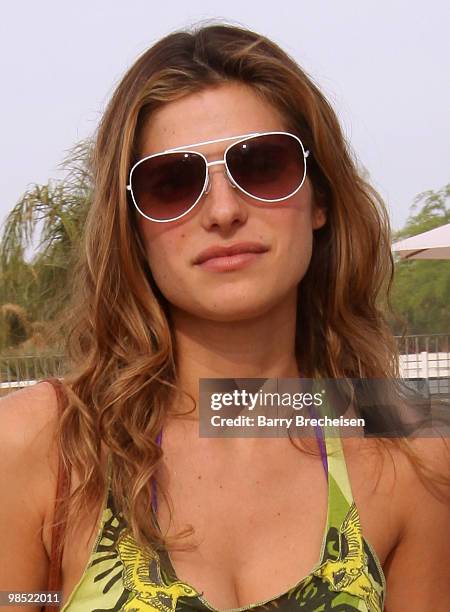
(21, 371)
(425, 365)
(16, 384)
(426, 357)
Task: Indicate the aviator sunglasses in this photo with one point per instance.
(268, 167)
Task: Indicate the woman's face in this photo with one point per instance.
(226, 216)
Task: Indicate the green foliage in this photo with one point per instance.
(421, 289)
(429, 210)
(55, 212)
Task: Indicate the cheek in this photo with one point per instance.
(164, 250)
(296, 237)
(299, 252)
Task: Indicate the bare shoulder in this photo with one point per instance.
(28, 420)
(424, 467)
(20, 403)
(408, 477)
(435, 451)
(28, 473)
(422, 553)
(405, 459)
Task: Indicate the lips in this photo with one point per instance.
(227, 251)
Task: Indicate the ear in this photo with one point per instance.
(319, 217)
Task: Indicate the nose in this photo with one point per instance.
(223, 206)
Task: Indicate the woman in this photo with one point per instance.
(271, 265)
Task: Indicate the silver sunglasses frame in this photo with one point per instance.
(207, 183)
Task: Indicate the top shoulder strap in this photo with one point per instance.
(62, 491)
(340, 495)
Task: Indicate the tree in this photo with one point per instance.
(430, 209)
(57, 211)
(421, 290)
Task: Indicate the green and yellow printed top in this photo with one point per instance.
(121, 577)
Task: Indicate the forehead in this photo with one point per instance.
(217, 112)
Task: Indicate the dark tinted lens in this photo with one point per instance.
(269, 167)
(165, 186)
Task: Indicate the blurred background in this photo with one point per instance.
(382, 65)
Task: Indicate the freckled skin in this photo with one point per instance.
(226, 215)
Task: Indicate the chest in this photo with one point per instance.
(258, 519)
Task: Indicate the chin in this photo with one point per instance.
(233, 312)
(231, 305)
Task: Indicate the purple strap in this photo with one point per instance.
(321, 442)
(154, 497)
(159, 438)
(323, 450)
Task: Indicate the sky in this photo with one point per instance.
(381, 64)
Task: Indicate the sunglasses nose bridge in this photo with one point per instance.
(225, 173)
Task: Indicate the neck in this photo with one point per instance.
(259, 347)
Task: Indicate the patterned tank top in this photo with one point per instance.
(121, 577)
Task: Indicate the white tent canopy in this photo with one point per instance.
(434, 244)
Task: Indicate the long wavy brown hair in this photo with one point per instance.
(122, 364)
